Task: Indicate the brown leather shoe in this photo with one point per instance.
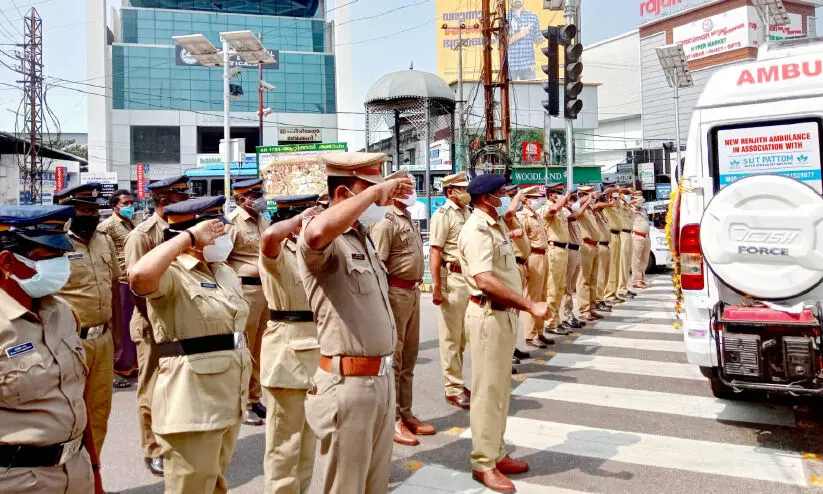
(467, 392)
(460, 401)
(418, 427)
(402, 435)
(495, 481)
(510, 466)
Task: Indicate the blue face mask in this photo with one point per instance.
(505, 202)
(127, 212)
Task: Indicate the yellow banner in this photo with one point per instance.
(527, 19)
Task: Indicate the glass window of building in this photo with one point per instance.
(151, 144)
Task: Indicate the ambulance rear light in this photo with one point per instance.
(691, 259)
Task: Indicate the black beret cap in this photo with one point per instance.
(43, 225)
(244, 186)
(179, 183)
(90, 194)
(188, 213)
(485, 184)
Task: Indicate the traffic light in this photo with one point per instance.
(573, 70)
(552, 71)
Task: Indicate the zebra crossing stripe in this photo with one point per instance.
(627, 366)
(637, 448)
(635, 344)
(435, 479)
(663, 328)
(657, 402)
(643, 314)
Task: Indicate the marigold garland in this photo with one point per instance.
(678, 292)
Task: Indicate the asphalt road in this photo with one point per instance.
(613, 409)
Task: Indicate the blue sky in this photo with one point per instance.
(64, 52)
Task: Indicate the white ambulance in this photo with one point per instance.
(749, 225)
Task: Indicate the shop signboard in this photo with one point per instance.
(107, 179)
(141, 181)
(794, 29)
(298, 134)
(46, 184)
(294, 168)
(543, 175)
(721, 33)
(645, 172)
(784, 149)
(663, 191)
(532, 152)
(215, 159)
(59, 178)
(182, 57)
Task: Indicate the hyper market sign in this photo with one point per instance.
(542, 175)
(721, 33)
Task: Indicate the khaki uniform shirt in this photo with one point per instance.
(485, 247)
(245, 232)
(117, 229)
(348, 291)
(42, 373)
(534, 228)
(557, 226)
(588, 225)
(613, 218)
(625, 216)
(640, 221)
(93, 270)
(574, 228)
(399, 245)
(206, 391)
(290, 351)
(602, 227)
(145, 236)
(445, 227)
(521, 246)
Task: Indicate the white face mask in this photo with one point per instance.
(409, 201)
(538, 203)
(576, 207)
(51, 275)
(372, 214)
(218, 251)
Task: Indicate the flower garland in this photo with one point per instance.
(678, 292)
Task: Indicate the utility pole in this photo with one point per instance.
(32, 70)
(503, 75)
(496, 26)
(460, 123)
(260, 97)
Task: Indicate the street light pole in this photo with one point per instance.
(676, 169)
(226, 124)
(260, 98)
(571, 14)
(461, 141)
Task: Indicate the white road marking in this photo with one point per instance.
(664, 328)
(691, 455)
(435, 479)
(631, 343)
(643, 314)
(627, 366)
(653, 401)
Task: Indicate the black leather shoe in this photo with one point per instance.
(628, 295)
(576, 323)
(632, 294)
(536, 343)
(155, 466)
(259, 410)
(566, 326)
(521, 354)
(515, 360)
(546, 340)
(514, 371)
(603, 307)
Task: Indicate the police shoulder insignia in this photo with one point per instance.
(482, 227)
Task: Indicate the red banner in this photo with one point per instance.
(532, 152)
(59, 178)
(141, 181)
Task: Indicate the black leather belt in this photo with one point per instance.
(562, 245)
(250, 280)
(25, 456)
(520, 260)
(574, 247)
(291, 315)
(616, 232)
(604, 244)
(203, 344)
(626, 231)
(96, 331)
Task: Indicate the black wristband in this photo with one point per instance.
(191, 236)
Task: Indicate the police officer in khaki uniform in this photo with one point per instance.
(449, 285)
(399, 245)
(198, 315)
(522, 249)
(290, 352)
(557, 234)
(146, 236)
(574, 209)
(247, 224)
(92, 292)
(538, 264)
(612, 214)
(487, 259)
(43, 363)
(603, 239)
(351, 405)
(640, 238)
(587, 282)
(624, 211)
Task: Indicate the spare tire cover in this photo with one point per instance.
(763, 237)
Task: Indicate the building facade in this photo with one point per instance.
(165, 110)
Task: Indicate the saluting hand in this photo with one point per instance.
(516, 234)
(388, 191)
(206, 232)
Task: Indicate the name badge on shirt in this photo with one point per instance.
(505, 242)
(358, 257)
(77, 255)
(20, 349)
(208, 285)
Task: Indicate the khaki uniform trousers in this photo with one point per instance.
(73, 477)
(492, 337)
(452, 332)
(587, 282)
(572, 274)
(98, 392)
(614, 267)
(524, 276)
(405, 305)
(195, 462)
(625, 263)
(602, 271)
(556, 284)
(352, 419)
(290, 443)
(148, 361)
(255, 326)
(538, 267)
(641, 249)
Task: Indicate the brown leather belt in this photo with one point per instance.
(454, 267)
(626, 231)
(520, 260)
(574, 247)
(483, 300)
(590, 242)
(251, 280)
(604, 244)
(616, 232)
(405, 284)
(357, 366)
(641, 234)
(539, 252)
(94, 332)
